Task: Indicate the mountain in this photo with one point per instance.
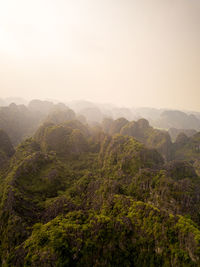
(20, 121)
(174, 132)
(36, 112)
(16, 100)
(17, 121)
(177, 119)
(143, 132)
(110, 192)
(116, 194)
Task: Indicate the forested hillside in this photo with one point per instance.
(113, 193)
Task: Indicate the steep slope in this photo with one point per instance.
(17, 122)
(152, 138)
(124, 233)
(174, 132)
(75, 196)
(188, 148)
(5, 144)
(20, 121)
(177, 119)
(6, 148)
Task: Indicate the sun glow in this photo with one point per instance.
(36, 28)
(126, 52)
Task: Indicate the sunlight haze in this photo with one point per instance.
(131, 53)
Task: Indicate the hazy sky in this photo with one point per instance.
(128, 52)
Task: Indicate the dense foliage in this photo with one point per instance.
(118, 193)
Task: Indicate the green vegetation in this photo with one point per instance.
(118, 193)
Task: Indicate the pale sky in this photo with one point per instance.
(127, 52)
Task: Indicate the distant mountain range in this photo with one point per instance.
(174, 121)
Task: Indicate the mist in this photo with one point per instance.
(129, 53)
